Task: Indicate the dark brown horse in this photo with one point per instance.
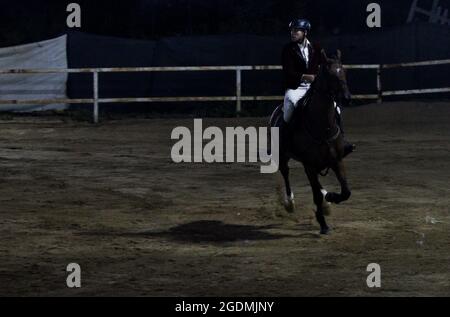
(314, 138)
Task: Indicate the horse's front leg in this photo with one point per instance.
(339, 170)
(313, 178)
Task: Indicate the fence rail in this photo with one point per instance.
(238, 98)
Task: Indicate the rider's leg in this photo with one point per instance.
(288, 110)
(291, 99)
(339, 118)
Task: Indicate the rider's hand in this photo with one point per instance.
(308, 78)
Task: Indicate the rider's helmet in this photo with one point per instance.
(300, 24)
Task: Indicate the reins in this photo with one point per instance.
(318, 141)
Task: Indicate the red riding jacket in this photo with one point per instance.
(294, 65)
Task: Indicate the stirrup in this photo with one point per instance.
(349, 148)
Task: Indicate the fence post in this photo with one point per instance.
(379, 88)
(95, 96)
(238, 91)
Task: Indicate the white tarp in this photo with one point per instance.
(46, 54)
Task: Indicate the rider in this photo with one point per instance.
(301, 60)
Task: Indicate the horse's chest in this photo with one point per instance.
(312, 155)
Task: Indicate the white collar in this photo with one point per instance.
(305, 44)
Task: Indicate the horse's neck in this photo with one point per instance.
(321, 109)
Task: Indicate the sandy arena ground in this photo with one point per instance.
(109, 198)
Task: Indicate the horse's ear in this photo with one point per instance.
(339, 54)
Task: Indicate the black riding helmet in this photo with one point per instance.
(300, 24)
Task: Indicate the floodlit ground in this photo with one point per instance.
(109, 198)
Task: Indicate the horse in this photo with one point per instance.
(314, 138)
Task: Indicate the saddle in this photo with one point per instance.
(277, 120)
(277, 115)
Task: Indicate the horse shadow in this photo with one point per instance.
(204, 231)
(212, 231)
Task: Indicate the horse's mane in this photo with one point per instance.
(306, 99)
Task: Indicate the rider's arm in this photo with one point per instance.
(292, 77)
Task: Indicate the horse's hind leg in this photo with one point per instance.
(289, 198)
(339, 170)
(313, 178)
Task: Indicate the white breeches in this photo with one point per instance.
(291, 98)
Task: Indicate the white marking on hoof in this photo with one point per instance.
(292, 196)
(326, 206)
(289, 199)
(289, 203)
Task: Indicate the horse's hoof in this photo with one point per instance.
(289, 206)
(349, 148)
(332, 198)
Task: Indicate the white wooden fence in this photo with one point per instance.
(238, 98)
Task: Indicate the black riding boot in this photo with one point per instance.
(348, 147)
(282, 125)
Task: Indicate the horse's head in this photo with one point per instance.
(336, 77)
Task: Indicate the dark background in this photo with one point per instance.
(29, 21)
(138, 33)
